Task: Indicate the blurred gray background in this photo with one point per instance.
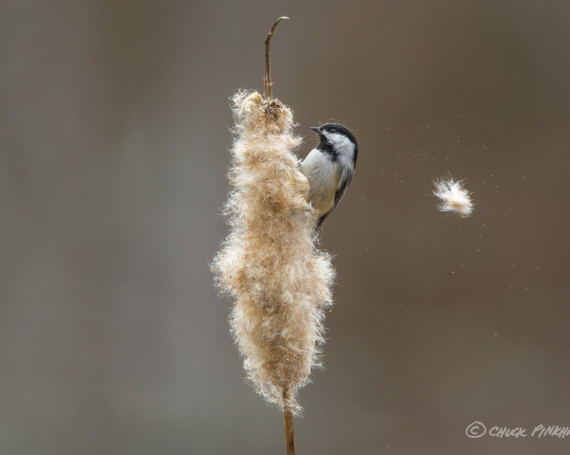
(114, 119)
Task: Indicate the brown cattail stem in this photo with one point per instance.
(267, 84)
(289, 427)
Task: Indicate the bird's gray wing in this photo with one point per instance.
(339, 194)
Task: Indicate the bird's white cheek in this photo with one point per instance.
(341, 144)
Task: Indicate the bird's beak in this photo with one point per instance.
(316, 129)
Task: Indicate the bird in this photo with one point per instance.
(329, 168)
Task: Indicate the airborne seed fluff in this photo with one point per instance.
(453, 196)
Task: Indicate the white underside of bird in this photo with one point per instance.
(325, 178)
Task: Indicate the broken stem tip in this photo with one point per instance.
(267, 84)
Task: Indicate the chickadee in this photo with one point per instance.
(329, 167)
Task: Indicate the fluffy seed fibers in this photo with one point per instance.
(269, 263)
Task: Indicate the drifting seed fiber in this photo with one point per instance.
(453, 196)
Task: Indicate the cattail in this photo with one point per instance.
(269, 263)
(453, 196)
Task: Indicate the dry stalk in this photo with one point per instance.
(267, 83)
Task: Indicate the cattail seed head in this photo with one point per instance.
(269, 263)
